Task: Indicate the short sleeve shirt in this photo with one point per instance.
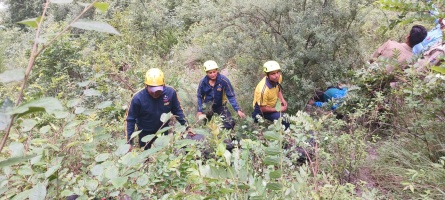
(266, 93)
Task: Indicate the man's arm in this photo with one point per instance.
(199, 95)
(132, 114)
(177, 109)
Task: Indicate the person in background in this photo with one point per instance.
(147, 106)
(215, 90)
(267, 93)
(416, 35)
(433, 36)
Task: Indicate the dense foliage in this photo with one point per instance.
(67, 135)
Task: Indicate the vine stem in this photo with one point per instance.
(34, 53)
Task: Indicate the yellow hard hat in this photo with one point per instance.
(209, 65)
(154, 77)
(270, 66)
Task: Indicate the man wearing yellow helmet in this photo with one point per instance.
(216, 89)
(148, 104)
(267, 93)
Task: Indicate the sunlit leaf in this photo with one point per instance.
(111, 172)
(38, 192)
(33, 22)
(162, 141)
(438, 69)
(130, 159)
(91, 92)
(97, 170)
(278, 105)
(45, 129)
(72, 144)
(118, 182)
(136, 133)
(17, 149)
(12, 75)
(49, 104)
(91, 184)
(61, 1)
(122, 150)
(102, 157)
(5, 118)
(79, 110)
(142, 180)
(84, 83)
(102, 6)
(25, 171)
(147, 138)
(163, 130)
(104, 104)
(23, 195)
(68, 133)
(28, 124)
(165, 117)
(73, 102)
(95, 26)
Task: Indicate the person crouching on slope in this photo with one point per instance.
(267, 93)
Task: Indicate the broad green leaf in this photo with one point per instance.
(276, 174)
(122, 150)
(102, 6)
(68, 133)
(17, 149)
(91, 92)
(278, 105)
(33, 22)
(52, 170)
(271, 135)
(273, 186)
(163, 130)
(28, 124)
(73, 102)
(272, 151)
(79, 110)
(102, 157)
(95, 26)
(111, 172)
(25, 171)
(49, 104)
(12, 75)
(136, 133)
(118, 182)
(104, 104)
(72, 144)
(23, 195)
(4, 117)
(84, 83)
(36, 159)
(97, 170)
(38, 192)
(61, 1)
(142, 180)
(438, 69)
(147, 138)
(91, 184)
(130, 159)
(271, 161)
(45, 129)
(162, 141)
(165, 117)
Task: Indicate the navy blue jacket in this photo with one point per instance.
(145, 111)
(218, 94)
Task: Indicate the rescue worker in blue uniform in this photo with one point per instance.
(148, 104)
(214, 90)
